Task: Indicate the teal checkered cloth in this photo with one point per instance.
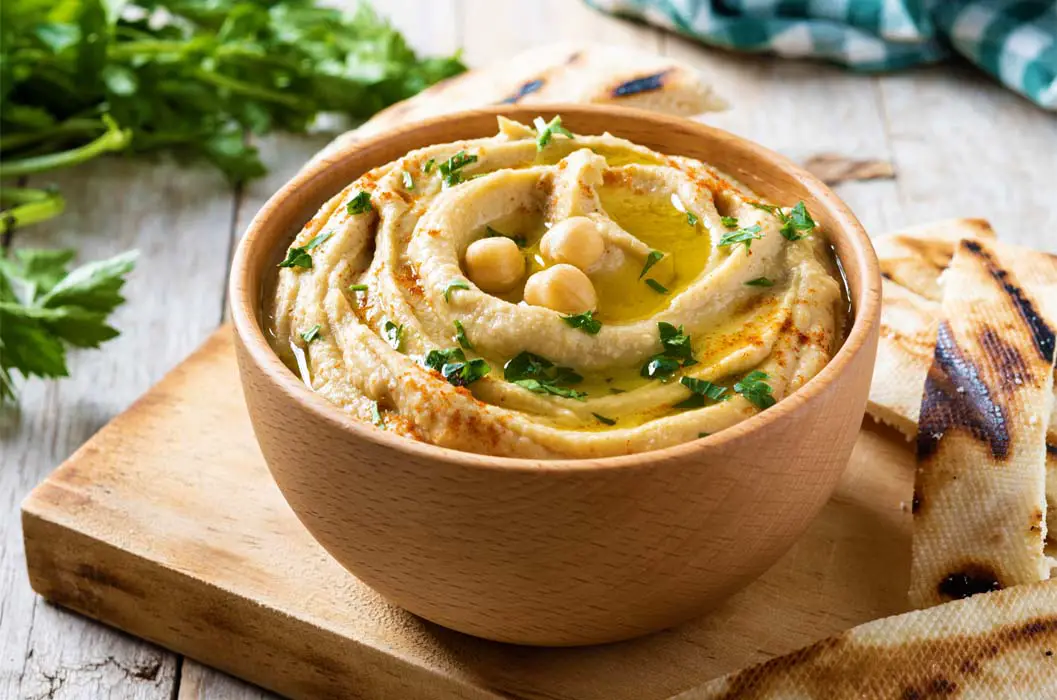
(1015, 42)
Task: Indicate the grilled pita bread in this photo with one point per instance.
(563, 72)
(998, 646)
(980, 492)
(911, 264)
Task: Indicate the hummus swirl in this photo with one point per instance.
(711, 303)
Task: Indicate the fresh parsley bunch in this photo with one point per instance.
(80, 78)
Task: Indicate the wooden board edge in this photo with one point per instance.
(235, 634)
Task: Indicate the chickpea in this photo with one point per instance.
(562, 288)
(494, 264)
(576, 241)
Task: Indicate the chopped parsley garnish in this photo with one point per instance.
(376, 415)
(742, 235)
(652, 259)
(409, 183)
(760, 282)
(453, 366)
(603, 420)
(519, 241)
(360, 204)
(357, 287)
(544, 132)
(676, 352)
(429, 165)
(753, 387)
(299, 256)
(703, 435)
(460, 335)
(452, 286)
(311, 334)
(451, 169)
(656, 286)
(691, 218)
(393, 334)
(729, 221)
(538, 374)
(702, 390)
(585, 322)
(796, 224)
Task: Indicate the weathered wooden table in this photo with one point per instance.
(960, 146)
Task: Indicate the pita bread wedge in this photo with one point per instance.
(916, 257)
(563, 72)
(912, 261)
(980, 491)
(998, 646)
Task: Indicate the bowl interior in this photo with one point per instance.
(767, 173)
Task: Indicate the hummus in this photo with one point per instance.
(668, 301)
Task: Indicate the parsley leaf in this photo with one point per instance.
(585, 322)
(796, 224)
(44, 309)
(676, 352)
(452, 286)
(652, 259)
(429, 165)
(538, 374)
(760, 282)
(691, 218)
(453, 366)
(743, 235)
(357, 287)
(701, 390)
(376, 415)
(460, 336)
(451, 169)
(298, 256)
(360, 204)
(798, 220)
(729, 221)
(393, 334)
(656, 286)
(311, 334)
(409, 183)
(753, 387)
(544, 132)
(603, 420)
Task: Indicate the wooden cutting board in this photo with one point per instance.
(166, 524)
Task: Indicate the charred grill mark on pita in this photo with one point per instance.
(886, 274)
(968, 581)
(646, 83)
(526, 89)
(956, 397)
(1044, 336)
(1013, 371)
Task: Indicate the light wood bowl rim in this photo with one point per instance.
(244, 300)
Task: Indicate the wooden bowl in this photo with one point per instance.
(570, 551)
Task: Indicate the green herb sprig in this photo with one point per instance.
(453, 366)
(585, 322)
(676, 352)
(545, 131)
(45, 309)
(540, 375)
(754, 388)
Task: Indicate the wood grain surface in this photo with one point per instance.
(188, 542)
(960, 145)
